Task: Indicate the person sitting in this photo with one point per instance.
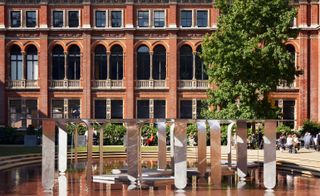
(282, 142)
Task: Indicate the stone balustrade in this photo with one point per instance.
(65, 84)
(194, 84)
(107, 84)
(151, 84)
(23, 84)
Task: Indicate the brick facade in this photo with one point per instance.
(129, 36)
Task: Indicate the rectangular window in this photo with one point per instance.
(200, 106)
(116, 18)
(143, 18)
(15, 113)
(288, 112)
(143, 108)
(31, 17)
(158, 18)
(73, 19)
(202, 18)
(100, 19)
(186, 18)
(116, 109)
(186, 109)
(74, 108)
(159, 108)
(32, 113)
(57, 109)
(15, 18)
(100, 109)
(57, 18)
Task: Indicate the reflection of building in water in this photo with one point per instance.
(118, 59)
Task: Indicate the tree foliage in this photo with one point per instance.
(247, 57)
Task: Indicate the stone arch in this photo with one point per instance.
(69, 44)
(120, 43)
(29, 43)
(12, 43)
(164, 44)
(140, 43)
(54, 43)
(97, 43)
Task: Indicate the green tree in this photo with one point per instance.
(247, 57)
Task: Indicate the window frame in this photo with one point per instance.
(110, 17)
(136, 107)
(63, 18)
(164, 18)
(68, 19)
(208, 18)
(106, 19)
(192, 18)
(166, 108)
(10, 17)
(36, 18)
(149, 14)
(180, 100)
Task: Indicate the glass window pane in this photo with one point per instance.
(57, 109)
(143, 18)
(100, 18)
(116, 109)
(186, 18)
(186, 65)
(15, 18)
(143, 108)
(116, 18)
(31, 18)
(74, 63)
(202, 18)
(143, 72)
(73, 17)
(100, 109)
(74, 108)
(159, 109)
(57, 63)
(57, 18)
(100, 63)
(159, 63)
(289, 112)
(159, 19)
(116, 63)
(186, 109)
(15, 113)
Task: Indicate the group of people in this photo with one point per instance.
(293, 143)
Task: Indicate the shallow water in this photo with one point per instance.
(27, 181)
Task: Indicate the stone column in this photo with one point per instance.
(65, 65)
(108, 65)
(63, 143)
(48, 154)
(162, 151)
(180, 155)
(133, 150)
(269, 164)
(242, 149)
(194, 65)
(202, 148)
(215, 148)
(151, 65)
(23, 54)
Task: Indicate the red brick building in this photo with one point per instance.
(126, 59)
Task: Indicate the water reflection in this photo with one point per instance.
(27, 181)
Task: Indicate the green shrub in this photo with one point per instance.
(311, 127)
(71, 128)
(283, 129)
(114, 134)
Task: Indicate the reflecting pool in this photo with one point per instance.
(27, 181)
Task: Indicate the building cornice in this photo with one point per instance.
(100, 2)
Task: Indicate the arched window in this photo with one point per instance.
(16, 63)
(186, 63)
(143, 60)
(292, 51)
(57, 63)
(116, 63)
(74, 63)
(32, 63)
(159, 63)
(100, 59)
(201, 73)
